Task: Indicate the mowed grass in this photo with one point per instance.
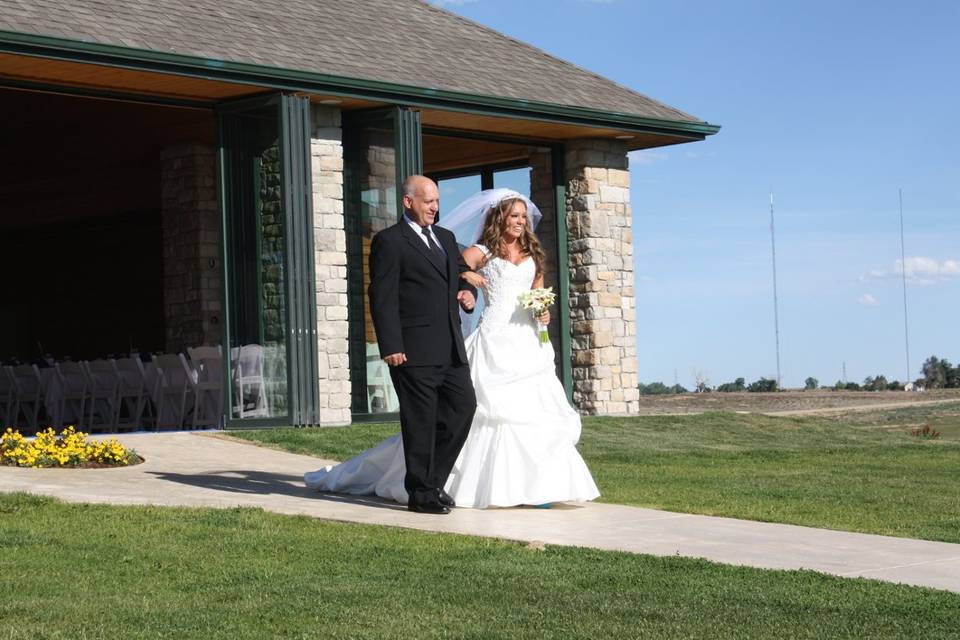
(97, 571)
(856, 471)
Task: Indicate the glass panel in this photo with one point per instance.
(372, 206)
(453, 191)
(256, 264)
(516, 179)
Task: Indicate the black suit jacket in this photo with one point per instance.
(413, 296)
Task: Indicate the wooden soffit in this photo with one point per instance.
(538, 131)
(37, 71)
(40, 72)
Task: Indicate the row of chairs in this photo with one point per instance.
(168, 391)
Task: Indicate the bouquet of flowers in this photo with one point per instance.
(538, 301)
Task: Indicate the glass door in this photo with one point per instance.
(268, 283)
(381, 148)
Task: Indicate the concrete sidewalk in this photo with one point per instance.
(197, 469)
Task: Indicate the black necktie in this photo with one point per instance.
(433, 244)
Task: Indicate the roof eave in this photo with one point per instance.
(311, 82)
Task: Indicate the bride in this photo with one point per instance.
(521, 446)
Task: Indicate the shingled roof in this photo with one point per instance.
(406, 42)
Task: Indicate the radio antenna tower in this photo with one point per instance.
(776, 313)
(903, 273)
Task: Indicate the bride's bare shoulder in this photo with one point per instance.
(476, 256)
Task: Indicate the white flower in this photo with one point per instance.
(537, 300)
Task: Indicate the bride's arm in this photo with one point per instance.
(475, 259)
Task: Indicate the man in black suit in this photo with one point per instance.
(415, 288)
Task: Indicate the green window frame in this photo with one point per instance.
(293, 120)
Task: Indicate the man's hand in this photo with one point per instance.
(395, 359)
(466, 300)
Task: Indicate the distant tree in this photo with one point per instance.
(810, 384)
(701, 381)
(896, 385)
(953, 376)
(762, 385)
(736, 385)
(846, 386)
(935, 372)
(877, 383)
(658, 388)
(654, 389)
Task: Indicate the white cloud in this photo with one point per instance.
(645, 157)
(919, 270)
(867, 300)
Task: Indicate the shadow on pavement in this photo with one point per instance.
(263, 483)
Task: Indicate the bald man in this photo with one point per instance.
(415, 291)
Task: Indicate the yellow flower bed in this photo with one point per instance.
(70, 448)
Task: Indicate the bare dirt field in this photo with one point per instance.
(791, 402)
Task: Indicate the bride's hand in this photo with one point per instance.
(474, 279)
(544, 317)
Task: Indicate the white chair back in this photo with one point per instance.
(208, 365)
(74, 383)
(9, 408)
(177, 389)
(104, 386)
(132, 396)
(29, 386)
(249, 384)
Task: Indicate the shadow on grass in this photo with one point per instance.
(263, 483)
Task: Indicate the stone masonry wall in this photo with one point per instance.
(330, 251)
(602, 299)
(191, 247)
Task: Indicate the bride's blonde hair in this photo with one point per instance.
(494, 229)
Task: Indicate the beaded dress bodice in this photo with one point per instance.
(505, 282)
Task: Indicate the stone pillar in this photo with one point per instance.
(602, 303)
(330, 256)
(190, 222)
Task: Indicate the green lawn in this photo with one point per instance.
(95, 571)
(860, 471)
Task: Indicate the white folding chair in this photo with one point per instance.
(176, 390)
(26, 377)
(103, 409)
(249, 387)
(132, 395)
(151, 380)
(74, 384)
(9, 407)
(208, 364)
(381, 397)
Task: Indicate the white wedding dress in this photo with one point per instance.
(521, 446)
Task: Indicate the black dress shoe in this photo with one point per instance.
(445, 499)
(428, 507)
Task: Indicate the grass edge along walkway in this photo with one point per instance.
(860, 473)
(164, 572)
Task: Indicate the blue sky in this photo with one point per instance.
(832, 106)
